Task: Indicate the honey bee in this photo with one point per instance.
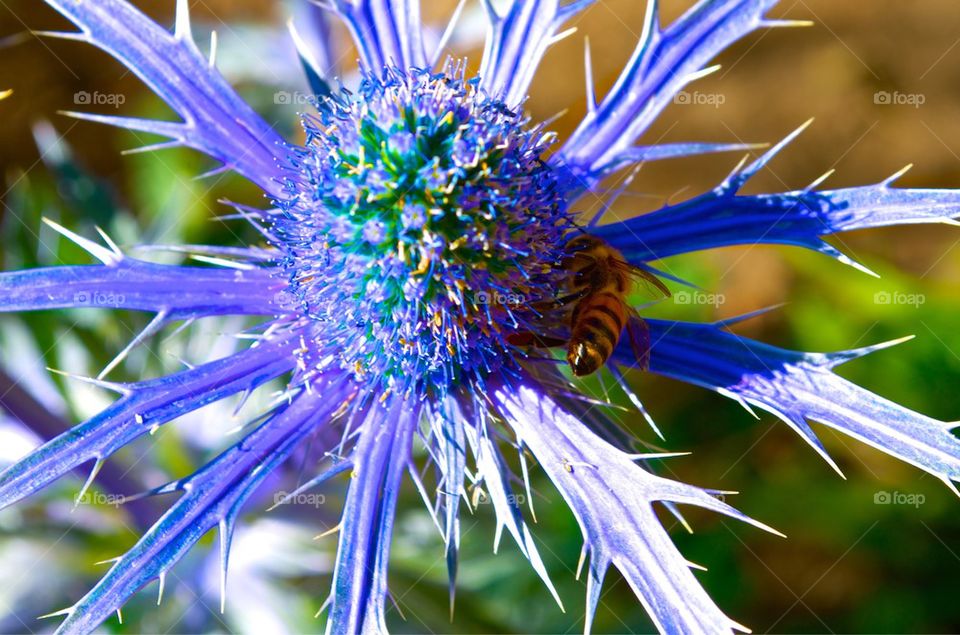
(596, 298)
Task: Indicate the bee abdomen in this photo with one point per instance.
(584, 358)
(596, 327)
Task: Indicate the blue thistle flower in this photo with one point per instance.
(422, 223)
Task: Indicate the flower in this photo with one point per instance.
(422, 227)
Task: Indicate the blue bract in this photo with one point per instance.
(424, 224)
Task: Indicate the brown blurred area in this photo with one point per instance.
(769, 84)
(45, 73)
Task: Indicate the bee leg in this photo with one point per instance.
(564, 300)
(639, 334)
(547, 306)
(527, 338)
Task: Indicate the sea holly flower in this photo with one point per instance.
(418, 245)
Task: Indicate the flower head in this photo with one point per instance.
(418, 203)
(425, 254)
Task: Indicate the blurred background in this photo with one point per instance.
(881, 79)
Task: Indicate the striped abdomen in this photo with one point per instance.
(596, 325)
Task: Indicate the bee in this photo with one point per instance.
(596, 300)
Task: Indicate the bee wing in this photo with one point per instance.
(644, 277)
(639, 334)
